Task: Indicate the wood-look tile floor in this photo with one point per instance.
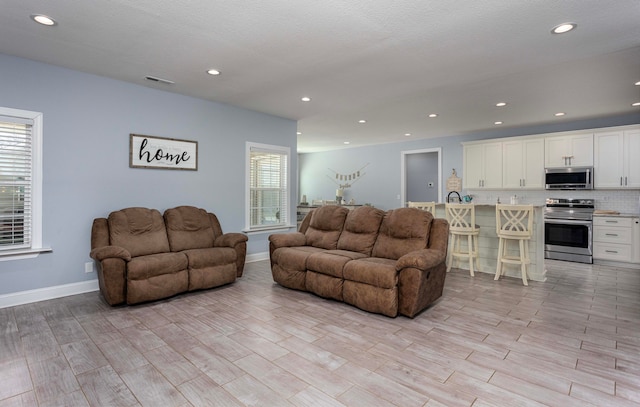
(573, 340)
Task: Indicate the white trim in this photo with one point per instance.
(47, 293)
(36, 190)
(247, 182)
(23, 253)
(269, 229)
(403, 172)
(251, 258)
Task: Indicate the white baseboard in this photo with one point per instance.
(48, 293)
(257, 257)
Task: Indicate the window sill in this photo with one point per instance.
(20, 254)
(268, 230)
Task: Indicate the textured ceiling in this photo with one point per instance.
(389, 62)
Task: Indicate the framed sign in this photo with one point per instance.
(454, 183)
(160, 152)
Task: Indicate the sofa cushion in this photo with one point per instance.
(331, 262)
(374, 271)
(188, 227)
(144, 267)
(294, 258)
(361, 229)
(139, 230)
(402, 231)
(211, 256)
(325, 226)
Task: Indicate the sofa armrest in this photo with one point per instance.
(105, 252)
(287, 239)
(421, 259)
(230, 240)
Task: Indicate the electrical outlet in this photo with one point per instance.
(88, 267)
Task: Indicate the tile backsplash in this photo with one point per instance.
(623, 201)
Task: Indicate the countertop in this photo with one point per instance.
(619, 215)
(492, 205)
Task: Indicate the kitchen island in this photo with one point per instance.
(488, 244)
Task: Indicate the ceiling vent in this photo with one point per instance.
(156, 79)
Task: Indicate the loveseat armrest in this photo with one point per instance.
(230, 239)
(421, 259)
(287, 240)
(105, 252)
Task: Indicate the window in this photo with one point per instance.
(20, 182)
(268, 186)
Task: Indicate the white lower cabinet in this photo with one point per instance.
(613, 239)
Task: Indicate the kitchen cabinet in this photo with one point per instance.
(482, 165)
(523, 164)
(616, 161)
(614, 239)
(569, 151)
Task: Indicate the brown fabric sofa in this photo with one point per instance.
(389, 262)
(144, 256)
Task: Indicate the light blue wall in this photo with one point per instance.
(87, 122)
(381, 184)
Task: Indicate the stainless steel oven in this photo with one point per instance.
(568, 230)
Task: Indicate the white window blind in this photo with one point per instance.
(268, 186)
(16, 180)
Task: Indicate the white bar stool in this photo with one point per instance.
(425, 206)
(514, 222)
(462, 223)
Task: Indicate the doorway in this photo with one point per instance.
(421, 175)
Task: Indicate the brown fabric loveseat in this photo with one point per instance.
(144, 256)
(389, 262)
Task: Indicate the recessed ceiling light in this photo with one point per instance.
(407, 134)
(347, 142)
(500, 104)
(497, 122)
(563, 28)
(638, 83)
(298, 133)
(213, 72)
(42, 19)
(432, 115)
(362, 121)
(306, 99)
(635, 104)
(560, 114)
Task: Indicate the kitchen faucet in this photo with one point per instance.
(454, 192)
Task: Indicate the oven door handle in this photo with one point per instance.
(569, 222)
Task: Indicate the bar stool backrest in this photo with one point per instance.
(425, 206)
(461, 217)
(514, 221)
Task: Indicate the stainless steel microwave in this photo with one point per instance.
(569, 178)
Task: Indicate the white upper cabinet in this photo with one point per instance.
(569, 151)
(523, 164)
(482, 166)
(617, 164)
